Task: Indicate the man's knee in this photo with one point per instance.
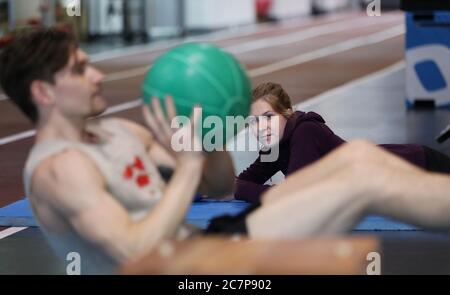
(358, 152)
(364, 167)
(362, 160)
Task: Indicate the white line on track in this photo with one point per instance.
(237, 32)
(10, 231)
(329, 50)
(277, 66)
(17, 137)
(126, 74)
(330, 94)
(111, 110)
(309, 33)
(263, 43)
(162, 45)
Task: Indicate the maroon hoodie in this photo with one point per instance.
(306, 139)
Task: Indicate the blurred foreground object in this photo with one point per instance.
(219, 256)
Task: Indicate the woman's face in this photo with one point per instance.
(266, 124)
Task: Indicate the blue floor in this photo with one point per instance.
(19, 214)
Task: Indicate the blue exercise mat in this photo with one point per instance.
(19, 214)
(203, 211)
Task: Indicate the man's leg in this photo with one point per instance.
(325, 198)
(324, 209)
(420, 199)
(338, 160)
(370, 181)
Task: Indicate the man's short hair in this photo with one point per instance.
(34, 54)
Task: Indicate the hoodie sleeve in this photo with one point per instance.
(310, 141)
(250, 183)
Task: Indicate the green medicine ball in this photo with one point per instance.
(201, 74)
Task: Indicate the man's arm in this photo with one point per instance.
(72, 185)
(218, 175)
(359, 178)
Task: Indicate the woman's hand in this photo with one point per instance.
(161, 127)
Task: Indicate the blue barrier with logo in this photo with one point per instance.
(428, 58)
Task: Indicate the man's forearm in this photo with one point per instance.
(218, 175)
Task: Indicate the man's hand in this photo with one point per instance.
(218, 171)
(160, 126)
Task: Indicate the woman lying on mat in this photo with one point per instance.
(302, 139)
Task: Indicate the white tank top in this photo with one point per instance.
(131, 178)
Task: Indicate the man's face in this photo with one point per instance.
(77, 88)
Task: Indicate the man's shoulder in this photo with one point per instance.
(66, 181)
(67, 166)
